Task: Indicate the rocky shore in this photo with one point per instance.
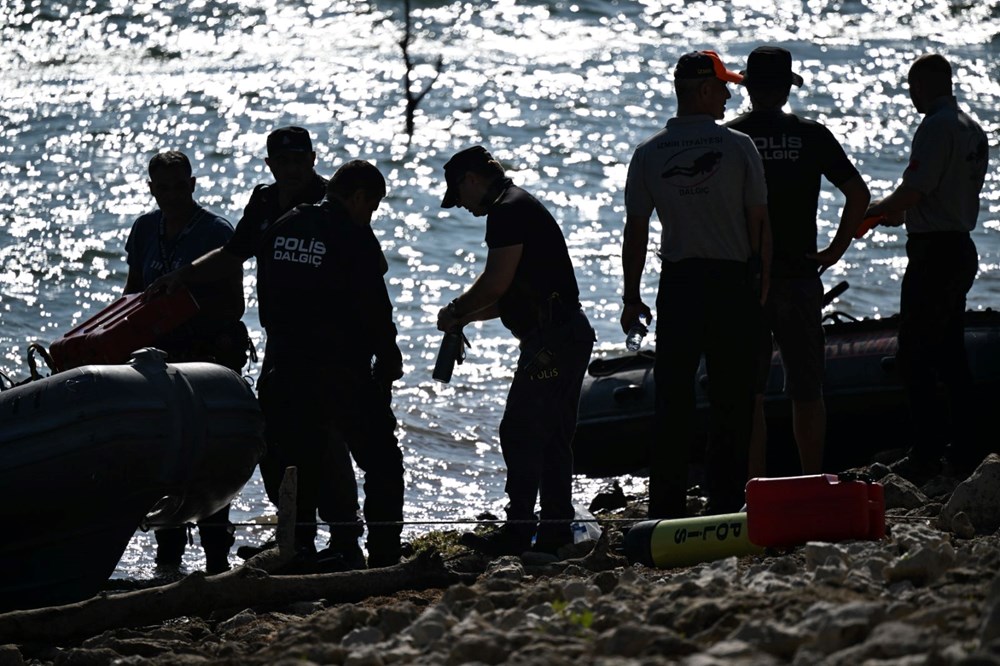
(929, 593)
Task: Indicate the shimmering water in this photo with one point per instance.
(560, 91)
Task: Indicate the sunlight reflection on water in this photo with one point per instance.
(560, 91)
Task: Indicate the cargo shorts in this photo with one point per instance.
(793, 324)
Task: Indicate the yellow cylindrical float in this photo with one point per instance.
(681, 542)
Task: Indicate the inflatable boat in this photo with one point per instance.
(865, 401)
(89, 454)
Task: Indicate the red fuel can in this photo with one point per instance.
(130, 323)
(789, 511)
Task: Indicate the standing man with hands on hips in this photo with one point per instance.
(797, 154)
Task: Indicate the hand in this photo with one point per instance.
(388, 367)
(168, 283)
(874, 209)
(894, 219)
(446, 320)
(827, 257)
(631, 313)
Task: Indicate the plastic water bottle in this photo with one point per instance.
(635, 335)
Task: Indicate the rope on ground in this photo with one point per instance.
(497, 521)
(404, 523)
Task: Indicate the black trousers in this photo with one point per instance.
(538, 424)
(317, 418)
(940, 270)
(216, 534)
(703, 307)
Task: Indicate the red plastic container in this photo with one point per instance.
(130, 323)
(789, 511)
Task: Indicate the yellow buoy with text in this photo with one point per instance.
(681, 542)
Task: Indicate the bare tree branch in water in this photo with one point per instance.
(412, 100)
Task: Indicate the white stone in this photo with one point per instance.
(362, 636)
(979, 497)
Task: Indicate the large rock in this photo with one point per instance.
(901, 494)
(978, 497)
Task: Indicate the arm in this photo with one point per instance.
(388, 358)
(215, 265)
(133, 283)
(893, 206)
(501, 264)
(856, 203)
(635, 241)
(928, 157)
(759, 225)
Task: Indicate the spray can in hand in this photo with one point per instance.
(451, 352)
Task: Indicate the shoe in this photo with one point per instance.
(341, 558)
(502, 541)
(918, 470)
(382, 561)
(246, 552)
(551, 538)
(384, 555)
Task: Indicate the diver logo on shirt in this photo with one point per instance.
(689, 169)
(299, 250)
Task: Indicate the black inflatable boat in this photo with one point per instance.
(89, 454)
(866, 405)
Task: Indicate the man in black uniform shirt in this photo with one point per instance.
(292, 161)
(796, 152)
(327, 314)
(528, 282)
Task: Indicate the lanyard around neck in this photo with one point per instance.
(167, 256)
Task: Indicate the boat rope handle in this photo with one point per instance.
(37, 347)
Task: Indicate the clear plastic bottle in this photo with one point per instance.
(635, 334)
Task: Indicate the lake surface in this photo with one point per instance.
(561, 92)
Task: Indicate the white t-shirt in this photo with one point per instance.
(700, 177)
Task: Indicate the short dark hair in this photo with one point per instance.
(934, 71)
(357, 175)
(769, 97)
(170, 159)
(688, 88)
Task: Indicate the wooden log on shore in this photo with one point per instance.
(199, 595)
(246, 586)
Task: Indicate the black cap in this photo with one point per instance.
(475, 157)
(770, 67)
(289, 140)
(704, 64)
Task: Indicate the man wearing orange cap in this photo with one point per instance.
(706, 184)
